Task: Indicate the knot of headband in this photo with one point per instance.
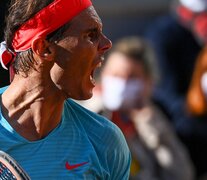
(6, 56)
(46, 21)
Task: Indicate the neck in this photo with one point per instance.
(32, 110)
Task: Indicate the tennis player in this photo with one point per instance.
(52, 48)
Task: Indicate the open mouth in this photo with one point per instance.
(92, 78)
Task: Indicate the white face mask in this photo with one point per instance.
(118, 92)
(204, 84)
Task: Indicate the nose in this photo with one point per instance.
(105, 44)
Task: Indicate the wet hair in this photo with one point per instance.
(21, 11)
(138, 50)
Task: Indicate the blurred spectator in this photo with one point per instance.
(196, 100)
(126, 85)
(178, 39)
(4, 75)
(197, 93)
(176, 49)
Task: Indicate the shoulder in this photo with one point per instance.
(106, 139)
(94, 124)
(161, 27)
(152, 117)
(2, 89)
(167, 22)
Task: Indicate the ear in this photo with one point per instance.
(43, 49)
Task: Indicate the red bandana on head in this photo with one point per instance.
(46, 21)
(195, 21)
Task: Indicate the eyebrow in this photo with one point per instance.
(92, 29)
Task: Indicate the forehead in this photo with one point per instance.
(87, 19)
(121, 65)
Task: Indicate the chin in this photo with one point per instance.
(86, 93)
(83, 96)
(88, 96)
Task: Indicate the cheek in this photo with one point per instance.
(87, 47)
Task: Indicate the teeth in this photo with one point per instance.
(102, 58)
(92, 80)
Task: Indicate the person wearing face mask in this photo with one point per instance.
(118, 92)
(124, 96)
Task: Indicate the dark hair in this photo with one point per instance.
(21, 11)
(139, 51)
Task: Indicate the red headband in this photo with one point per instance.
(47, 21)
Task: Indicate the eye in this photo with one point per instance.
(93, 35)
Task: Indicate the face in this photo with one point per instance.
(124, 82)
(79, 54)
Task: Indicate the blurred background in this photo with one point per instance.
(129, 17)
